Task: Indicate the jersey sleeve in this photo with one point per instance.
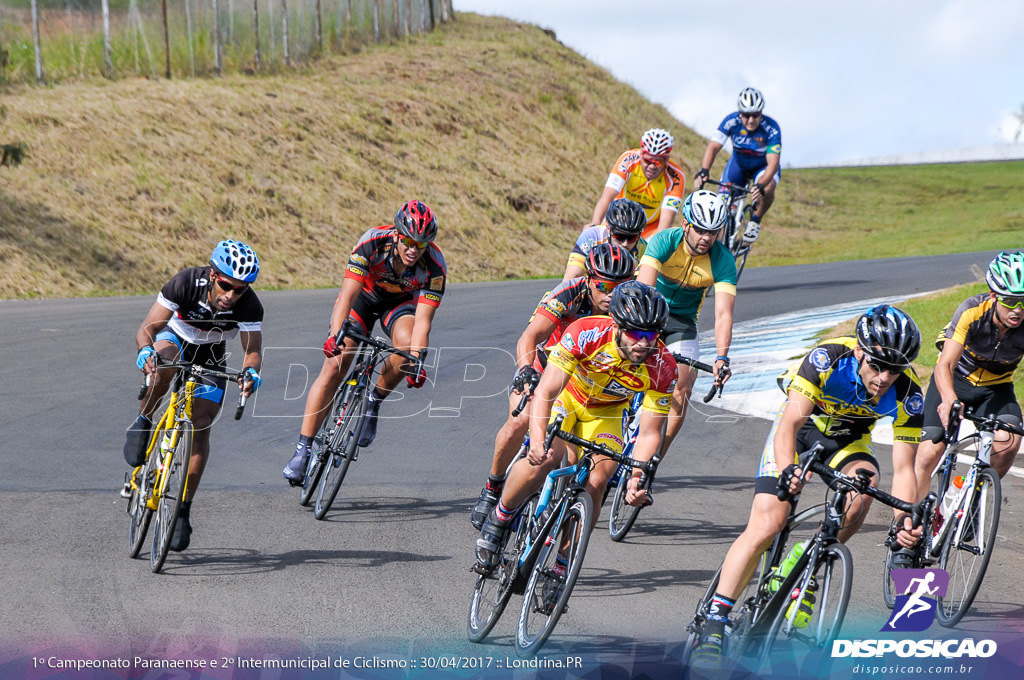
(175, 291)
(673, 199)
(362, 255)
(909, 419)
(566, 354)
(437, 277)
(659, 248)
(620, 170)
(663, 374)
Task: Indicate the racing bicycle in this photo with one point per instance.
(159, 485)
(336, 444)
(964, 525)
(739, 211)
(549, 523)
(771, 622)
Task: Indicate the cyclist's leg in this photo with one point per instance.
(137, 436)
(929, 453)
(680, 337)
(506, 445)
(602, 425)
(1002, 403)
(768, 195)
(849, 462)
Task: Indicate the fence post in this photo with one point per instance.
(218, 62)
(284, 31)
(376, 20)
(106, 39)
(256, 34)
(38, 43)
(319, 29)
(167, 41)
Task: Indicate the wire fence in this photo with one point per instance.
(47, 41)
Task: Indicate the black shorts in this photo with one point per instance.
(212, 355)
(368, 310)
(677, 329)
(993, 400)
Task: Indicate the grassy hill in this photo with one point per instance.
(504, 131)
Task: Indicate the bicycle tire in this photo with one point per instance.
(173, 490)
(341, 451)
(787, 644)
(888, 587)
(537, 619)
(318, 450)
(493, 591)
(967, 562)
(623, 515)
(138, 510)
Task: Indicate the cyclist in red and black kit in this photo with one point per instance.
(607, 265)
(195, 312)
(396, 274)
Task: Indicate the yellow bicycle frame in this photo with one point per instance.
(168, 423)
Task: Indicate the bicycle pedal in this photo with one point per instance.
(126, 490)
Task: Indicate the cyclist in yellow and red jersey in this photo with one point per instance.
(607, 266)
(648, 177)
(980, 350)
(598, 366)
(395, 274)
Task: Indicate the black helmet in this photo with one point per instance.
(625, 217)
(610, 261)
(888, 334)
(637, 306)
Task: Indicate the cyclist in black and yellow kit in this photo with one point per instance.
(980, 349)
(607, 265)
(835, 395)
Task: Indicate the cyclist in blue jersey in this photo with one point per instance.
(756, 151)
(624, 222)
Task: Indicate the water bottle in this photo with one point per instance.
(948, 505)
(787, 565)
(804, 608)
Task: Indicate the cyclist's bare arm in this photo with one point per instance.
(649, 275)
(539, 330)
(551, 384)
(944, 367)
(350, 289)
(798, 410)
(648, 441)
(252, 346)
(602, 205)
(665, 219)
(155, 321)
(706, 162)
(424, 319)
(904, 487)
(724, 305)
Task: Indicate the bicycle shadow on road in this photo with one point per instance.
(376, 509)
(598, 582)
(236, 562)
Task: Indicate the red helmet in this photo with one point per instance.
(416, 220)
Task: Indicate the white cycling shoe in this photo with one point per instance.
(752, 232)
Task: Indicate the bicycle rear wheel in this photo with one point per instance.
(341, 451)
(142, 490)
(788, 644)
(968, 547)
(172, 493)
(318, 449)
(493, 590)
(623, 515)
(548, 590)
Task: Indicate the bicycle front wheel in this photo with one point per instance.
(493, 590)
(888, 586)
(143, 479)
(318, 449)
(550, 585)
(171, 491)
(798, 636)
(342, 449)
(968, 547)
(623, 515)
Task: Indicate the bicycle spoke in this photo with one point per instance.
(172, 490)
(341, 451)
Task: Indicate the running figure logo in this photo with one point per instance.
(915, 609)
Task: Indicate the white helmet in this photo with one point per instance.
(750, 101)
(656, 142)
(705, 210)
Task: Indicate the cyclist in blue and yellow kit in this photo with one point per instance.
(834, 396)
(683, 263)
(756, 150)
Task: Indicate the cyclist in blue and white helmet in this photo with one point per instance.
(196, 312)
(756, 159)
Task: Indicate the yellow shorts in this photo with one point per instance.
(605, 425)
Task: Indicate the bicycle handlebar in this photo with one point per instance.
(813, 461)
(347, 332)
(198, 370)
(527, 393)
(555, 430)
(732, 187)
(701, 366)
(984, 423)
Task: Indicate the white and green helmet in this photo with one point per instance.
(1005, 275)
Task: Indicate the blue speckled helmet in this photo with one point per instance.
(237, 260)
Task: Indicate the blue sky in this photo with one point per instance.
(844, 80)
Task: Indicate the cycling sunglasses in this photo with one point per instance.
(1010, 302)
(638, 336)
(883, 366)
(413, 243)
(605, 286)
(227, 287)
(653, 160)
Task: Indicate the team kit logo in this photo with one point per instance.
(913, 612)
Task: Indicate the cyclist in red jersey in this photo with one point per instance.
(396, 274)
(593, 372)
(607, 265)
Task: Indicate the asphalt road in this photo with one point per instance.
(386, 576)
